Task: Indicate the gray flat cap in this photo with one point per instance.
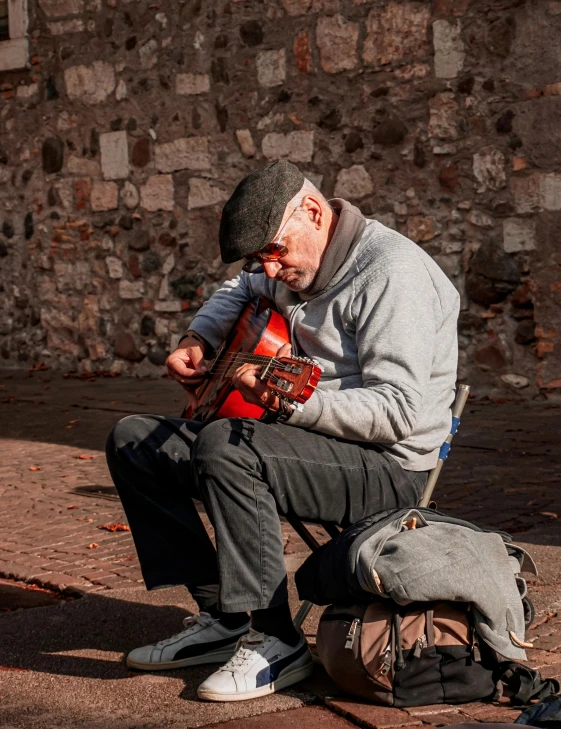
(253, 214)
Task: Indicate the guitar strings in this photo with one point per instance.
(238, 360)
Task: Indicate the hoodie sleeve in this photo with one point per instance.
(396, 313)
(216, 317)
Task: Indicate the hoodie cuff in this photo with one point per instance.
(311, 413)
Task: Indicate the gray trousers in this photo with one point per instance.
(245, 472)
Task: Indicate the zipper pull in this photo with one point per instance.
(351, 635)
(420, 643)
(386, 661)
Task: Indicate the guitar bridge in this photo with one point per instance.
(284, 385)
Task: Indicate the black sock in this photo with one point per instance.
(231, 621)
(276, 621)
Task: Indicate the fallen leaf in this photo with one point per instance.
(89, 521)
(71, 506)
(116, 527)
(551, 514)
(72, 422)
(34, 468)
(84, 457)
(38, 367)
(93, 545)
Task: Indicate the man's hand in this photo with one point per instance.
(186, 366)
(252, 389)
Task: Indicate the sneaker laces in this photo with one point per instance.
(245, 649)
(205, 620)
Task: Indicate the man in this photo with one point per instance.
(380, 317)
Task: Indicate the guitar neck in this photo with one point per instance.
(229, 367)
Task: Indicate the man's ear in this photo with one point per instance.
(314, 210)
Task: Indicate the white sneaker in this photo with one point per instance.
(204, 640)
(261, 665)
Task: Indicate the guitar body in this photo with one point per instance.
(259, 333)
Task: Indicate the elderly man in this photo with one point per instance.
(380, 317)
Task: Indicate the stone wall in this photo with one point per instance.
(135, 121)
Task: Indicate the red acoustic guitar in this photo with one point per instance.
(256, 337)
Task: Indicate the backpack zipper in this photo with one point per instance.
(354, 630)
(386, 666)
(420, 643)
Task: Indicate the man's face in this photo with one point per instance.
(298, 268)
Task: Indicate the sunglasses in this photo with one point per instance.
(271, 252)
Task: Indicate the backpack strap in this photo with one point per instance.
(526, 684)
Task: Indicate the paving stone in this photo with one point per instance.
(370, 715)
(311, 717)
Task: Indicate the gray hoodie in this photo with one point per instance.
(383, 329)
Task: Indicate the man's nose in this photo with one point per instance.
(271, 268)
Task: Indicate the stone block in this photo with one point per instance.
(354, 183)
(130, 196)
(187, 153)
(296, 7)
(52, 155)
(157, 193)
(90, 84)
(489, 169)
(63, 27)
(114, 155)
(245, 140)
(169, 306)
(443, 121)
(60, 8)
(395, 31)
(131, 289)
(449, 51)
(121, 91)
(148, 54)
(519, 234)
(191, 84)
(337, 40)
(83, 167)
(303, 51)
(540, 191)
(294, 146)
(114, 267)
(271, 68)
(421, 229)
(519, 382)
(104, 196)
(550, 191)
(202, 194)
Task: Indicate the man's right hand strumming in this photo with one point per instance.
(186, 364)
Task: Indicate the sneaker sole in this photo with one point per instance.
(218, 656)
(297, 674)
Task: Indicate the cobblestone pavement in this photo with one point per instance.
(505, 471)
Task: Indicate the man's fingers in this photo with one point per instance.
(285, 350)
